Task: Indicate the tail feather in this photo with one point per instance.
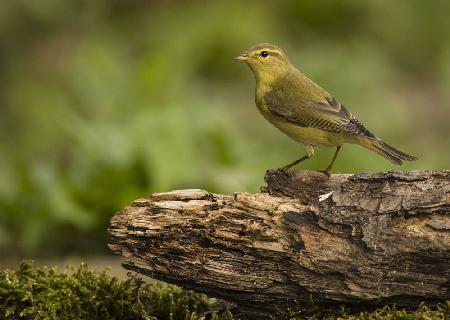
(389, 152)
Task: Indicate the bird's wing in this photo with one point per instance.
(327, 114)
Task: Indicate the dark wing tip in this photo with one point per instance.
(362, 130)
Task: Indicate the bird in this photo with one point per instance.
(306, 112)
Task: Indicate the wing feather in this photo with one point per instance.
(327, 114)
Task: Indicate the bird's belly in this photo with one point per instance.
(309, 135)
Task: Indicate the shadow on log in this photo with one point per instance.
(365, 239)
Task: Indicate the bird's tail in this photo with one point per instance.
(389, 152)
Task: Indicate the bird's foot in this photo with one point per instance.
(327, 172)
(284, 170)
(288, 170)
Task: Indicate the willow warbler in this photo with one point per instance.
(304, 111)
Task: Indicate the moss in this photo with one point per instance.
(43, 293)
(441, 312)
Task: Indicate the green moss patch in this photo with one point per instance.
(441, 312)
(43, 293)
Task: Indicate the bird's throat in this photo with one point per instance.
(264, 76)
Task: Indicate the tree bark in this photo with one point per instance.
(364, 239)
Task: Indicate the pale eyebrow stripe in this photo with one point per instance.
(274, 52)
(271, 51)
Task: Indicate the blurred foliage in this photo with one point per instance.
(44, 293)
(105, 101)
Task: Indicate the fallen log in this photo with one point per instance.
(364, 239)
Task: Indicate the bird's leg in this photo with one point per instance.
(327, 171)
(305, 157)
(309, 154)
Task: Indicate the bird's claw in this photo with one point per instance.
(326, 172)
(284, 169)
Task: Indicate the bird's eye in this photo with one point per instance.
(264, 54)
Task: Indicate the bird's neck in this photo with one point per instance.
(268, 75)
(266, 78)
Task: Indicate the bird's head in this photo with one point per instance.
(266, 60)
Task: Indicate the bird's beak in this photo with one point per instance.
(242, 57)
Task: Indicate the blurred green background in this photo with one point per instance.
(105, 101)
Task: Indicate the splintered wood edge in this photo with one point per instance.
(181, 195)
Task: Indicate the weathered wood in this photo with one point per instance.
(365, 239)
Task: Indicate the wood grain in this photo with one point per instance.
(365, 239)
